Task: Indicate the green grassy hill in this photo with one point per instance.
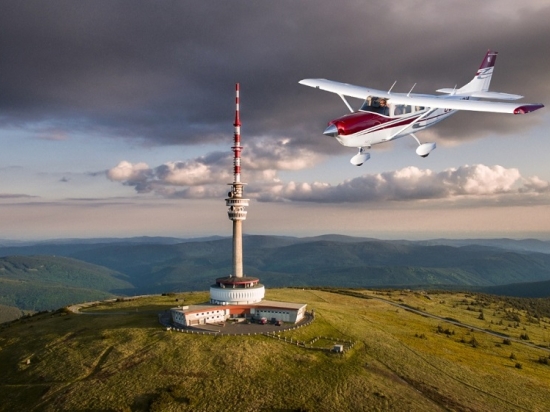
(39, 283)
(117, 357)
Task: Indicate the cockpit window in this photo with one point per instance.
(377, 105)
(380, 105)
(402, 109)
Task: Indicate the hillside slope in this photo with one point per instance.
(329, 260)
(529, 289)
(9, 313)
(48, 282)
(296, 262)
(117, 357)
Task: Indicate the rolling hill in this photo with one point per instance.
(116, 356)
(529, 289)
(68, 272)
(37, 283)
(298, 262)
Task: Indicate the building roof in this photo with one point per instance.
(263, 304)
(280, 305)
(234, 280)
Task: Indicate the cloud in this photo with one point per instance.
(126, 171)
(15, 196)
(159, 75)
(261, 162)
(477, 183)
(201, 177)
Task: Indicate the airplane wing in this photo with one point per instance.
(484, 95)
(452, 102)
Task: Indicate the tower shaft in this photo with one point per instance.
(235, 200)
(238, 248)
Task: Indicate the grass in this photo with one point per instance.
(126, 361)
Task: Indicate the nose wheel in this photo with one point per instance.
(360, 158)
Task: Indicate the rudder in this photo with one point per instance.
(482, 79)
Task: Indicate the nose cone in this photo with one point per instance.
(331, 131)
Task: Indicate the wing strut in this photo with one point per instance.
(346, 102)
(419, 118)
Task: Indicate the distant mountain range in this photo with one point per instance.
(51, 274)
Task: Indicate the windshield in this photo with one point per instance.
(380, 105)
(376, 105)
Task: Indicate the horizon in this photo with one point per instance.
(229, 236)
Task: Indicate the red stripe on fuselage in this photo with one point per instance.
(368, 122)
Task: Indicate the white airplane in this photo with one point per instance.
(386, 116)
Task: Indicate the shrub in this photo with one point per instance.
(524, 336)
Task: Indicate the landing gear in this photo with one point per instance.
(360, 157)
(423, 149)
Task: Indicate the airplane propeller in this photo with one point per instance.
(331, 131)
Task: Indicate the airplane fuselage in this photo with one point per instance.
(366, 128)
(386, 115)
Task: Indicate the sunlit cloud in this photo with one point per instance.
(412, 184)
(206, 176)
(201, 177)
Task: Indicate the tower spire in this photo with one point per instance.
(237, 139)
(235, 200)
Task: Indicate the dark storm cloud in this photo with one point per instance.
(164, 72)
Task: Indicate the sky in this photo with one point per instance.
(116, 118)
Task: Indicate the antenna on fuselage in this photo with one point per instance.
(389, 91)
(409, 94)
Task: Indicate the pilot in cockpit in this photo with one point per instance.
(384, 109)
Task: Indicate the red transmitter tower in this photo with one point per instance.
(237, 288)
(235, 201)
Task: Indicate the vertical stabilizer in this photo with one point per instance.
(482, 79)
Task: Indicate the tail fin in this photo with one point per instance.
(482, 79)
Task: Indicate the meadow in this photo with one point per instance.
(115, 356)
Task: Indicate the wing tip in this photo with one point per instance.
(528, 108)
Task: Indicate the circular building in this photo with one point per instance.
(232, 290)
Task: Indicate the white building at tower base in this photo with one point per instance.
(195, 315)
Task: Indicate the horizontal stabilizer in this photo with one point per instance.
(483, 95)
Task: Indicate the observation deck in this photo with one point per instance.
(232, 290)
